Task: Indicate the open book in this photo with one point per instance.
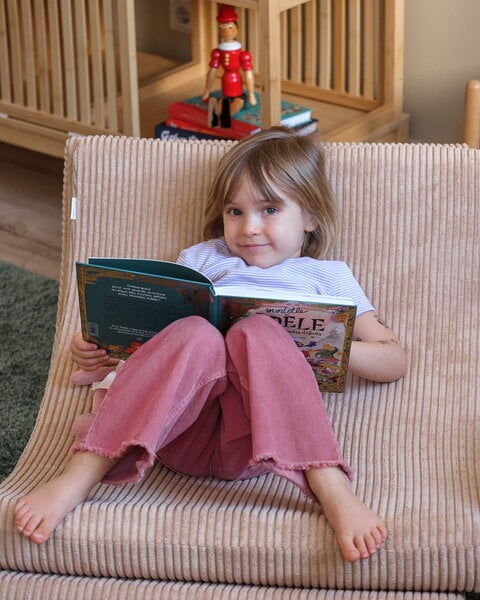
(124, 302)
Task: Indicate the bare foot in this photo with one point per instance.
(359, 531)
(38, 514)
(82, 377)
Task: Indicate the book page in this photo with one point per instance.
(121, 310)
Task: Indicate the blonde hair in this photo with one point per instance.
(277, 160)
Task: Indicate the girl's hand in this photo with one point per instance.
(376, 353)
(88, 356)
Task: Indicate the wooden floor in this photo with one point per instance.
(30, 210)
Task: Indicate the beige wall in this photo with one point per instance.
(442, 52)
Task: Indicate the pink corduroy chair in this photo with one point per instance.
(411, 217)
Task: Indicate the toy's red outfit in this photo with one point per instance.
(232, 59)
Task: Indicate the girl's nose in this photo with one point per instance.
(251, 225)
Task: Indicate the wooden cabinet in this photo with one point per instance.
(72, 67)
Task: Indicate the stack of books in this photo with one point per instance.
(189, 119)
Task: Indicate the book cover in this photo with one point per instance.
(220, 133)
(246, 121)
(172, 130)
(321, 327)
(204, 129)
(124, 302)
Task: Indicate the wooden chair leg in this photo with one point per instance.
(471, 118)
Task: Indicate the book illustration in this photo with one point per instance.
(322, 335)
(125, 302)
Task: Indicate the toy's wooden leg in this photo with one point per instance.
(212, 116)
(236, 105)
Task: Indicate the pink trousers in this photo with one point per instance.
(232, 407)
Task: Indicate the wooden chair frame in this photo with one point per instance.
(471, 120)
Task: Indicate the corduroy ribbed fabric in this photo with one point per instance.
(411, 217)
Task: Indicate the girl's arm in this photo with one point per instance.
(376, 353)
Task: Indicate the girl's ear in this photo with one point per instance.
(310, 225)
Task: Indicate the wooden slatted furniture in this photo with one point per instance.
(74, 67)
(62, 69)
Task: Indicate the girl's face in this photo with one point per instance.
(263, 233)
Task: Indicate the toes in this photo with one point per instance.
(21, 508)
(361, 546)
(360, 542)
(349, 549)
(379, 535)
(351, 554)
(41, 533)
(23, 514)
(371, 544)
(29, 524)
(32, 526)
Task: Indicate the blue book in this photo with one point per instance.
(125, 302)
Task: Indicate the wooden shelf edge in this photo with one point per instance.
(382, 124)
(33, 137)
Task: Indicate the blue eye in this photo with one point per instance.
(234, 212)
(270, 210)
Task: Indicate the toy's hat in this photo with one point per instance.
(226, 14)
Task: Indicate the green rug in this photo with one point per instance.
(28, 305)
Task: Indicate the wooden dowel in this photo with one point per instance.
(128, 67)
(310, 33)
(354, 47)
(370, 48)
(5, 81)
(43, 69)
(471, 121)
(284, 47)
(13, 26)
(69, 61)
(29, 54)
(251, 43)
(110, 71)
(295, 39)
(325, 46)
(81, 52)
(97, 63)
(339, 47)
(55, 58)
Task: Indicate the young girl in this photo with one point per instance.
(245, 404)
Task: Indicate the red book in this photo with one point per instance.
(219, 132)
(195, 115)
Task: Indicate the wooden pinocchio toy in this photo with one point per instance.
(230, 56)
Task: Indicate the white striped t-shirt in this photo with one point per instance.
(302, 274)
